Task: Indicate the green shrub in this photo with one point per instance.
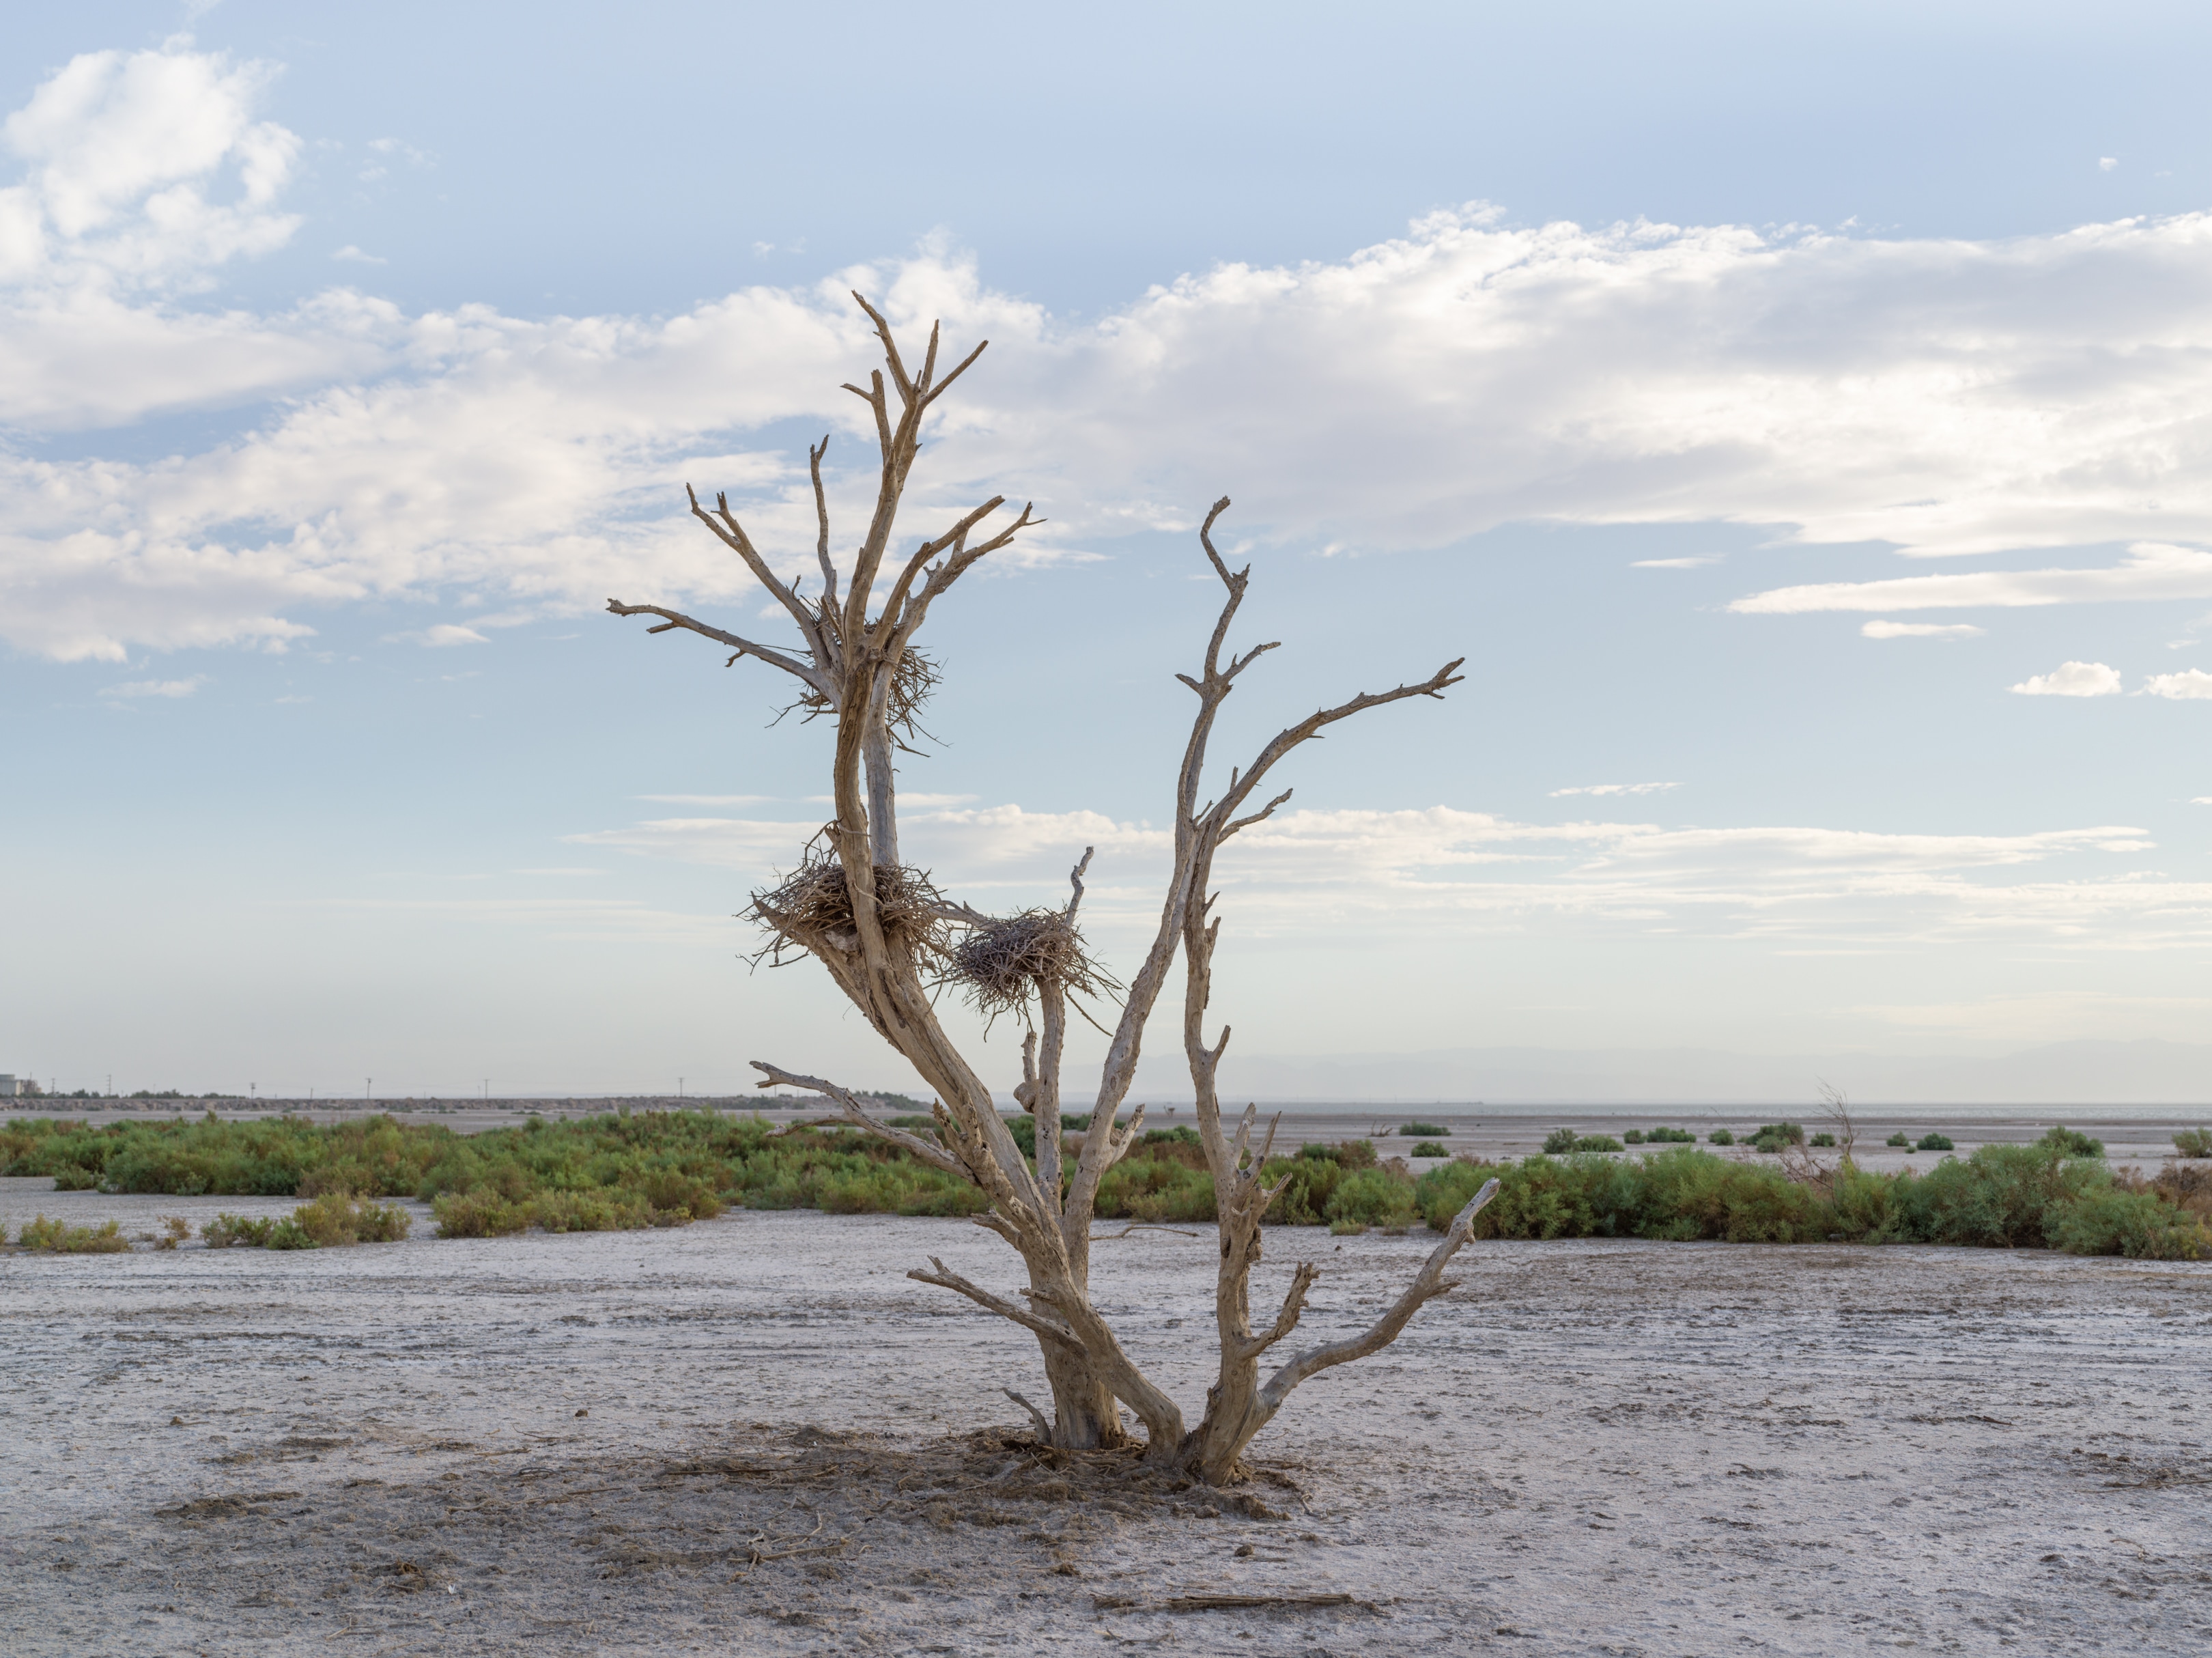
(225, 1231)
(288, 1233)
(478, 1215)
(1720, 1136)
(1421, 1131)
(1596, 1143)
(337, 1218)
(600, 1209)
(2071, 1143)
(1932, 1141)
(1559, 1142)
(1308, 1181)
(1823, 1139)
(1431, 1149)
(1180, 1135)
(2193, 1142)
(1441, 1194)
(2137, 1225)
(1634, 1136)
(1373, 1197)
(1772, 1137)
(59, 1237)
(1668, 1136)
(1900, 1139)
(2002, 1196)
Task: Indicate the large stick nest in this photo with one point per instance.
(812, 907)
(998, 963)
(913, 682)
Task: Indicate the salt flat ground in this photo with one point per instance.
(1591, 1447)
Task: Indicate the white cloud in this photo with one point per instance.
(2072, 680)
(1960, 397)
(446, 633)
(1675, 563)
(2151, 570)
(2191, 685)
(157, 687)
(2106, 163)
(1616, 789)
(1345, 874)
(1921, 631)
(129, 158)
(707, 800)
(351, 255)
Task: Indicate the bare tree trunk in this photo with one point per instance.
(886, 948)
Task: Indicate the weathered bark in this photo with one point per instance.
(850, 663)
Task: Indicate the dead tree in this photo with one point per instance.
(888, 937)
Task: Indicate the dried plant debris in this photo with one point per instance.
(998, 963)
(838, 1532)
(811, 909)
(913, 683)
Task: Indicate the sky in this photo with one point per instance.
(1796, 417)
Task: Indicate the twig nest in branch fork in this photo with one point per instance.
(998, 962)
(812, 907)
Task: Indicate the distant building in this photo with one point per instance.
(7, 1086)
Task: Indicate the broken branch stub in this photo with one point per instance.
(890, 941)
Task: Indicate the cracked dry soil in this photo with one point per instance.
(610, 1443)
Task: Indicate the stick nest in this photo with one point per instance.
(998, 963)
(913, 681)
(812, 907)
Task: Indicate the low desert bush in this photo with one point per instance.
(1634, 1136)
(478, 1215)
(59, 1237)
(1597, 1142)
(1823, 1139)
(2138, 1224)
(338, 1218)
(1772, 1137)
(1901, 1139)
(1373, 1197)
(2193, 1142)
(1932, 1141)
(1431, 1148)
(2071, 1141)
(175, 1229)
(1559, 1142)
(228, 1231)
(1421, 1131)
(1720, 1136)
(1670, 1136)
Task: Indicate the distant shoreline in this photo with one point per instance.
(1687, 1113)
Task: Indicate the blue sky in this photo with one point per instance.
(1796, 417)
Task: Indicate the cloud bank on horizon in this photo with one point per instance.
(1950, 397)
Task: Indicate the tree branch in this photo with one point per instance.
(789, 664)
(822, 513)
(913, 1144)
(731, 534)
(1294, 1304)
(947, 1279)
(1427, 1282)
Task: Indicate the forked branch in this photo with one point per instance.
(947, 1279)
(1428, 1283)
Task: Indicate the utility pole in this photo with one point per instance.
(368, 1088)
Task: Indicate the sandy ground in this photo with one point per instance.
(1592, 1447)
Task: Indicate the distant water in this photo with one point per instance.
(1800, 1111)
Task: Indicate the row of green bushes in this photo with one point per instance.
(624, 1170)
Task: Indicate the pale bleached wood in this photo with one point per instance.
(850, 659)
